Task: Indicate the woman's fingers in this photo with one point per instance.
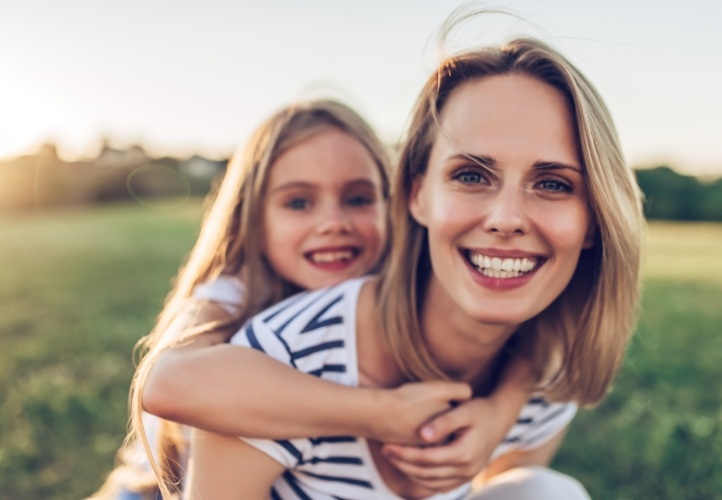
(405, 409)
(430, 456)
(437, 478)
(443, 427)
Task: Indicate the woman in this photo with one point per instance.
(517, 231)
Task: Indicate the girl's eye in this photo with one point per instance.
(554, 186)
(359, 201)
(298, 203)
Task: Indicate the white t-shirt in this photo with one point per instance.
(227, 291)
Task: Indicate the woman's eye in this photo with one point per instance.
(554, 186)
(298, 203)
(470, 177)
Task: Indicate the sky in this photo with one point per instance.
(183, 77)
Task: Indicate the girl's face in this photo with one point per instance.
(505, 228)
(324, 213)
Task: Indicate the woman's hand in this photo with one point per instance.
(460, 441)
(399, 413)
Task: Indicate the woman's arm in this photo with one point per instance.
(224, 388)
(223, 467)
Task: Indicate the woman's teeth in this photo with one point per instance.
(496, 267)
(331, 256)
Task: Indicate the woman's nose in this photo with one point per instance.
(506, 212)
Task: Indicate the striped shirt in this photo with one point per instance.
(315, 332)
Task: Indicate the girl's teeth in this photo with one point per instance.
(325, 257)
(496, 267)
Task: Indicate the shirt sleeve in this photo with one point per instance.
(538, 422)
(228, 291)
(549, 421)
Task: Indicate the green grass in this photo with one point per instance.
(659, 432)
(78, 288)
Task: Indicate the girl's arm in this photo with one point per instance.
(223, 467)
(471, 432)
(225, 389)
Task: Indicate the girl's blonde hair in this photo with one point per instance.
(582, 335)
(230, 243)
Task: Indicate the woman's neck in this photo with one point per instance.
(377, 367)
(463, 348)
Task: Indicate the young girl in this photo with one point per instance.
(303, 207)
(517, 230)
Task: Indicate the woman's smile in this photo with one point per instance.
(503, 199)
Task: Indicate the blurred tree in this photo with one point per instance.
(673, 196)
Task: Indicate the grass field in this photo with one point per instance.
(78, 288)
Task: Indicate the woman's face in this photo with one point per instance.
(324, 213)
(507, 225)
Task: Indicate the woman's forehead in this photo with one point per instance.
(508, 116)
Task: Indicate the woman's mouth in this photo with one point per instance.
(498, 267)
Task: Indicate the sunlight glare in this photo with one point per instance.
(25, 120)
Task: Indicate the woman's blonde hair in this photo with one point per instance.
(587, 327)
(230, 243)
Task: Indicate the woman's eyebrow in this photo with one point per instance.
(555, 165)
(490, 163)
(483, 160)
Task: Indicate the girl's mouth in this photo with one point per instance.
(498, 267)
(332, 256)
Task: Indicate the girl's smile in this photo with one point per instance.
(323, 213)
(331, 258)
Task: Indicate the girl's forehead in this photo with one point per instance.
(330, 156)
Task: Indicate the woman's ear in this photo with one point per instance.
(417, 201)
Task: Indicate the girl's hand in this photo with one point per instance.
(400, 412)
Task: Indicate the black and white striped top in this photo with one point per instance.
(315, 332)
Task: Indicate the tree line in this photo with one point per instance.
(43, 180)
(670, 195)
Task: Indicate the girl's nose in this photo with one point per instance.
(334, 221)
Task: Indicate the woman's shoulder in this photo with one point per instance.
(339, 299)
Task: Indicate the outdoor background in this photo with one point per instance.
(115, 120)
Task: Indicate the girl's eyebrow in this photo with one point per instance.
(293, 185)
(286, 186)
(360, 183)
